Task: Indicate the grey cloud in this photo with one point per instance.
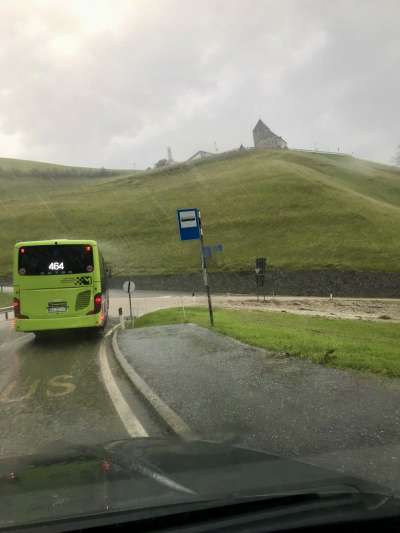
(186, 74)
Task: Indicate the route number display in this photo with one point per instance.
(56, 266)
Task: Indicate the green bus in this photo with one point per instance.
(59, 284)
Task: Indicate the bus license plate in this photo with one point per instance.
(57, 309)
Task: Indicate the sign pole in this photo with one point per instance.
(189, 224)
(261, 263)
(121, 318)
(205, 275)
(130, 303)
(129, 287)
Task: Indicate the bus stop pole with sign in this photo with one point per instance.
(205, 274)
(189, 224)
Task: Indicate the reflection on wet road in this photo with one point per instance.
(53, 392)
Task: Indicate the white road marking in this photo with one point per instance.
(131, 423)
(6, 393)
(111, 330)
(32, 386)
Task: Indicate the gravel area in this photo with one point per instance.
(357, 309)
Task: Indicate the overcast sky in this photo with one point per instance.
(114, 82)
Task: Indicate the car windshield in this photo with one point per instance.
(199, 256)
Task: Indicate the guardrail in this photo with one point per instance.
(6, 310)
(5, 288)
(320, 152)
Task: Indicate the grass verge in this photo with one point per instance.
(360, 345)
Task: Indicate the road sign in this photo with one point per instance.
(261, 263)
(188, 223)
(207, 251)
(128, 286)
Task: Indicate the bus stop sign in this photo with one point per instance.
(189, 224)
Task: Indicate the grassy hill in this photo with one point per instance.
(301, 210)
(10, 165)
(18, 176)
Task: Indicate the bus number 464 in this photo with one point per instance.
(56, 266)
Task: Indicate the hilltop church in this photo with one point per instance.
(265, 138)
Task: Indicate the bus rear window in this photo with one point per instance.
(55, 259)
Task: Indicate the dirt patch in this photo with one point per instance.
(382, 310)
(356, 309)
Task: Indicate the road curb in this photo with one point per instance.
(170, 418)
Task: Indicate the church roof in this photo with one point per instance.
(265, 131)
(261, 126)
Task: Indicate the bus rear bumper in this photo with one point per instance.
(48, 324)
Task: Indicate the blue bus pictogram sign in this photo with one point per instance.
(188, 223)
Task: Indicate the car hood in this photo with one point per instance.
(73, 481)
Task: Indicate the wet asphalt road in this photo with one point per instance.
(52, 391)
(227, 391)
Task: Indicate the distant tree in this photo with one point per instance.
(161, 163)
(396, 158)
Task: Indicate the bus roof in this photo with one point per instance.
(56, 241)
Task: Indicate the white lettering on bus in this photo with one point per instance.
(56, 266)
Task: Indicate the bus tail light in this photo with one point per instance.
(98, 299)
(17, 308)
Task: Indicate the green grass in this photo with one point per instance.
(301, 210)
(8, 164)
(360, 345)
(5, 299)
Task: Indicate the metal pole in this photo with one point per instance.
(121, 318)
(205, 276)
(130, 309)
(130, 303)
